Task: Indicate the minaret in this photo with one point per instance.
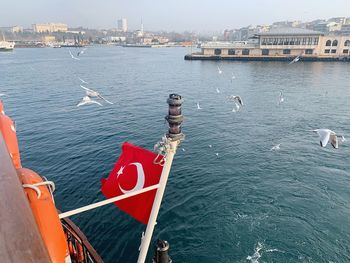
(141, 27)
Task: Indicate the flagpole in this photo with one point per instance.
(106, 202)
(173, 139)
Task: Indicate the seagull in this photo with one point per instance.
(280, 99)
(233, 77)
(83, 81)
(183, 149)
(198, 107)
(238, 102)
(81, 52)
(217, 90)
(326, 135)
(73, 56)
(87, 100)
(210, 145)
(276, 147)
(219, 70)
(2, 94)
(295, 60)
(237, 99)
(217, 154)
(92, 93)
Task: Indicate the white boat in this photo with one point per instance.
(5, 45)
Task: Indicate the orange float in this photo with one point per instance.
(8, 130)
(45, 213)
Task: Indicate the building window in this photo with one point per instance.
(286, 41)
(245, 52)
(345, 51)
(231, 52)
(298, 41)
(291, 41)
(304, 41)
(335, 43)
(263, 41)
(217, 51)
(309, 40)
(333, 51)
(309, 51)
(347, 43)
(316, 41)
(275, 41)
(280, 41)
(327, 51)
(265, 52)
(328, 43)
(286, 51)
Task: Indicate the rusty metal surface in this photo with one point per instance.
(20, 240)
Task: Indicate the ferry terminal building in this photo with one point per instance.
(279, 44)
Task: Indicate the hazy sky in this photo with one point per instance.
(178, 15)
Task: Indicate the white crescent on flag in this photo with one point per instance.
(140, 178)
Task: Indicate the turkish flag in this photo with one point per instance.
(134, 170)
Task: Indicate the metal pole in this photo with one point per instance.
(174, 137)
(106, 202)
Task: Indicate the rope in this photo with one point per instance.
(37, 189)
(161, 148)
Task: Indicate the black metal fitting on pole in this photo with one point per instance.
(174, 117)
(161, 252)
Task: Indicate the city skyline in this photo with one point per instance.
(201, 16)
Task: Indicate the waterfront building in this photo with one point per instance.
(280, 44)
(122, 25)
(49, 27)
(49, 39)
(12, 29)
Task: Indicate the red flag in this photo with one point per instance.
(134, 170)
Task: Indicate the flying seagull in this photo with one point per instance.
(238, 102)
(280, 99)
(295, 60)
(326, 135)
(198, 107)
(86, 100)
(2, 94)
(83, 81)
(233, 77)
(73, 56)
(81, 52)
(276, 147)
(217, 90)
(219, 70)
(92, 93)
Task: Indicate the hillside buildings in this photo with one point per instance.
(12, 29)
(122, 25)
(49, 28)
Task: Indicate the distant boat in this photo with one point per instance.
(5, 45)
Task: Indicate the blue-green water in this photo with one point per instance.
(248, 204)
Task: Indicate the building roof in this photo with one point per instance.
(288, 31)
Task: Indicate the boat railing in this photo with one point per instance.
(80, 249)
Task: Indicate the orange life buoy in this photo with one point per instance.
(46, 216)
(2, 108)
(8, 131)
